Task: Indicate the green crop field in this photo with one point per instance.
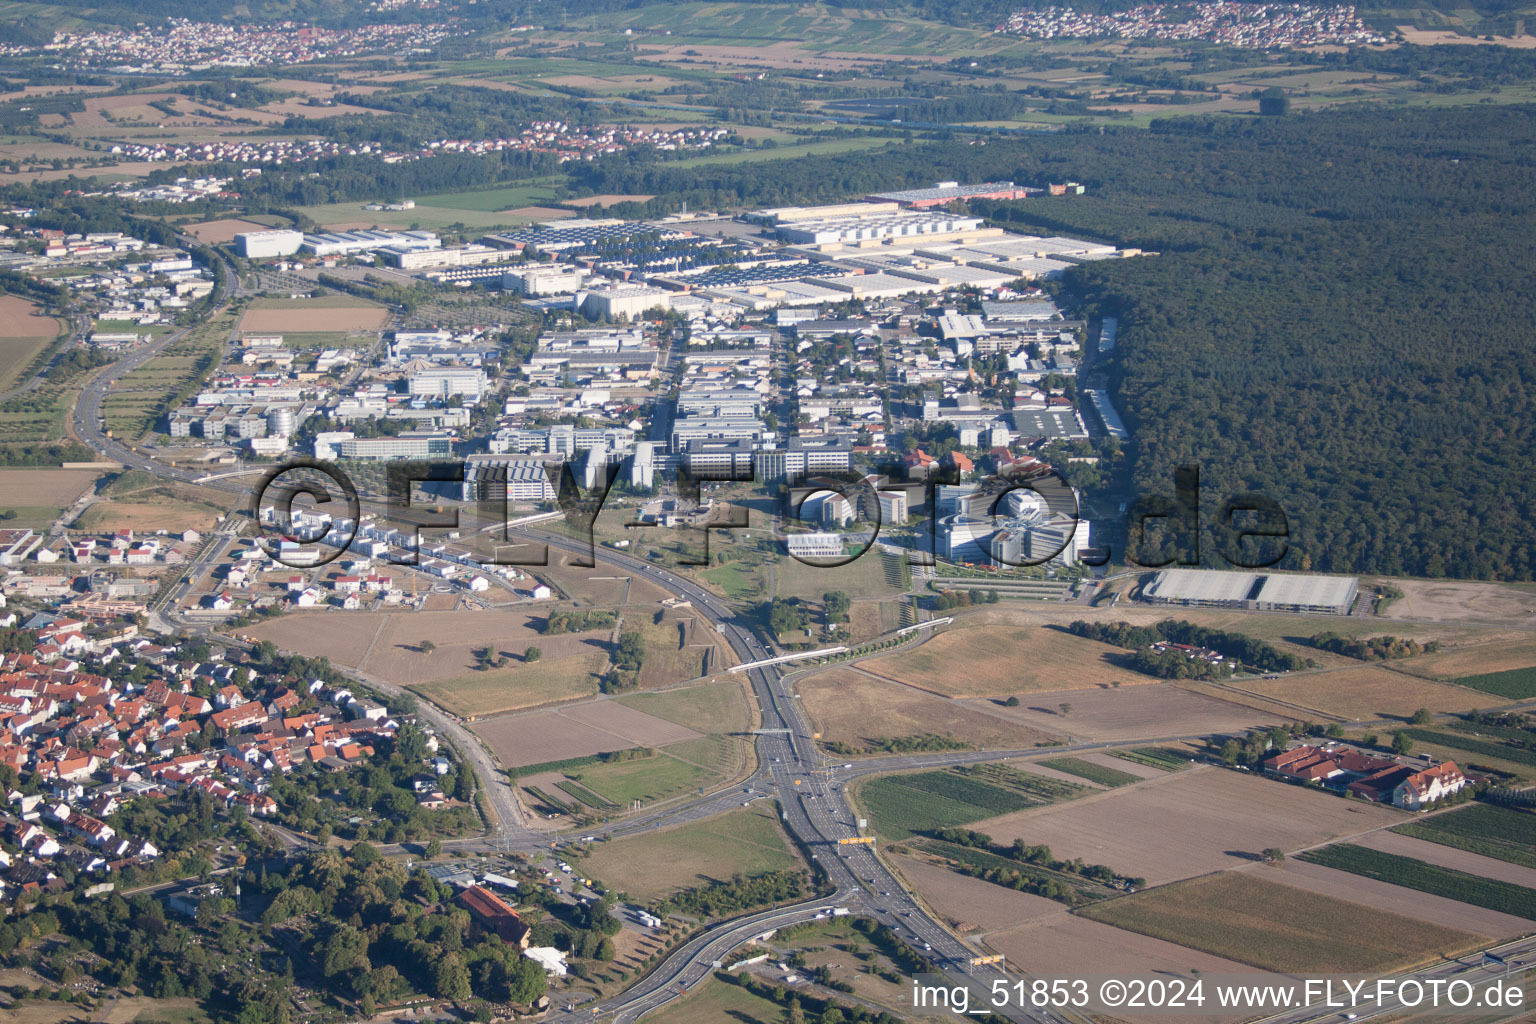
(1498, 832)
(648, 779)
(491, 200)
(1487, 748)
(1279, 927)
(1431, 878)
(1154, 757)
(746, 841)
(1516, 683)
(1035, 788)
(1104, 776)
(709, 708)
(901, 806)
(582, 794)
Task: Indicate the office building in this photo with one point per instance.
(448, 382)
(403, 446)
(258, 245)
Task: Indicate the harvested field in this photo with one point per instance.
(1473, 659)
(20, 318)
(1059, 946)
(1446, 601)
(1449, 857)
(1134, 712)
(524, 686)
(1238, 915)
(58, 487)
(1002, 660)
(606, 200)
(539, 213)
(313, 315)
(1370, 692)
(386, 644)
(24, 334)
(1397, 899)
(577, 732)
(849, 706)
(745, 841)
(970, 903)
(217, 232)
(1188, 823)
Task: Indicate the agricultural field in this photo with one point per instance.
(1239, 916)
(24, 333)
(900, 806)
(595, 728)
(746, 841)
(1365, 692)
(1512, 684)
(1059, 945)
(855, 709)
(389, 645)
(1461, 660)
(1002, 660)
(1440, 855)
(1111, 778)
(1452, 883)
(1183, 824)
(676, 770)
(217, 232)
(1498, 832)
(1166, 759)
(521, 686)
(343, 313)
(480, 211)
(1483, 747)
(47, 492)
(718, 707)
(1133, 712)
(970, 903)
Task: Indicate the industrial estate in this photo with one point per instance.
(692, 513)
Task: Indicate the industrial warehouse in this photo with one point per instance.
(1272, 592)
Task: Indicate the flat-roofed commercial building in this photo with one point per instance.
(803, 456)
(449, 381)
(877, 227)
(544, 279)
(256, 245)
(403, 446)
(1283, 592)
(949, 191)
(1296, 592)
(347, 243)
(1209, 587)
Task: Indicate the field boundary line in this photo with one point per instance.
(362, 663)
